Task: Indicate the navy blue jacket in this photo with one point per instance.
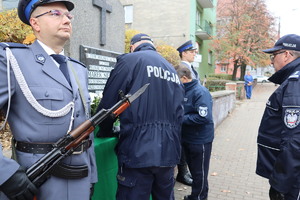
(150, 127)
(198, 125)
(279, 131)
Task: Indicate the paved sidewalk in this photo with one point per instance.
(232, 167)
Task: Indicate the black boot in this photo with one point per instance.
(275, 195)
(188, 197)
(184, 175)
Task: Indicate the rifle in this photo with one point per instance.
(39, 172)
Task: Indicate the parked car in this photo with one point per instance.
(261, 79)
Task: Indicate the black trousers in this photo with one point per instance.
(198, 157)
(182, 161)
(139, 183)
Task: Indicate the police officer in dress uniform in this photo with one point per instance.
(149, 140)
(42, 106)
(279, 132)
(187, 53)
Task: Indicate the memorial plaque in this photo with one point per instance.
(99, 63)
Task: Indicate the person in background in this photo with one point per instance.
(278, 138)
(197, 132)
(42, 100)
(248, 84)
(187, 53)
(149, 147)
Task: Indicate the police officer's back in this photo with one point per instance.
(149, 138)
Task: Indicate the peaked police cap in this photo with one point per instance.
(26, 7)
(186, 46)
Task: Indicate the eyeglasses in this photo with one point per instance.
(272, 56)
(57, 14)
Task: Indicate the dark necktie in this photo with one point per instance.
(62, 61)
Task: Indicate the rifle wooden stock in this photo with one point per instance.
(39, 172)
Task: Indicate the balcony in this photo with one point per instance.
(206, 3)
(204, 33)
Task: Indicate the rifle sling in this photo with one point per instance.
(65, 171)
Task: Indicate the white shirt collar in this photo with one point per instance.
(48, 50)
(189, 64)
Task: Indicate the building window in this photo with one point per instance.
(198, 19)
(9, 4)
(210, 55)
(128, 14)
(223, 68)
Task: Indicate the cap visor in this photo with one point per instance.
(272, 49)
(191, 48)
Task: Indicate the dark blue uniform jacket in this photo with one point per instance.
(198, 125)
(150, 127)
(279, 131)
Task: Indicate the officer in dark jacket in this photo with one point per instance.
(197, 132)
(279, 132)
(149, 138)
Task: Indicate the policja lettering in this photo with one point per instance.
(159, 72)
(289, 45)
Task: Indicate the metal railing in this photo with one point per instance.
(207, 27)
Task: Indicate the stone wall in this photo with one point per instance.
(239, 88)
(163, 20)
(223, 104)
(87, 27)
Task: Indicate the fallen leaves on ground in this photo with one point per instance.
(214, 174)
(226, 191)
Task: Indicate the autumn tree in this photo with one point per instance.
(129, 33)
(169, 53)
(244, 28)
(13, 30)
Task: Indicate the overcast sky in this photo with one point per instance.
(288, 11)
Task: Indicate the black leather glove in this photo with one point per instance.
(275, 195)
(19, 187)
